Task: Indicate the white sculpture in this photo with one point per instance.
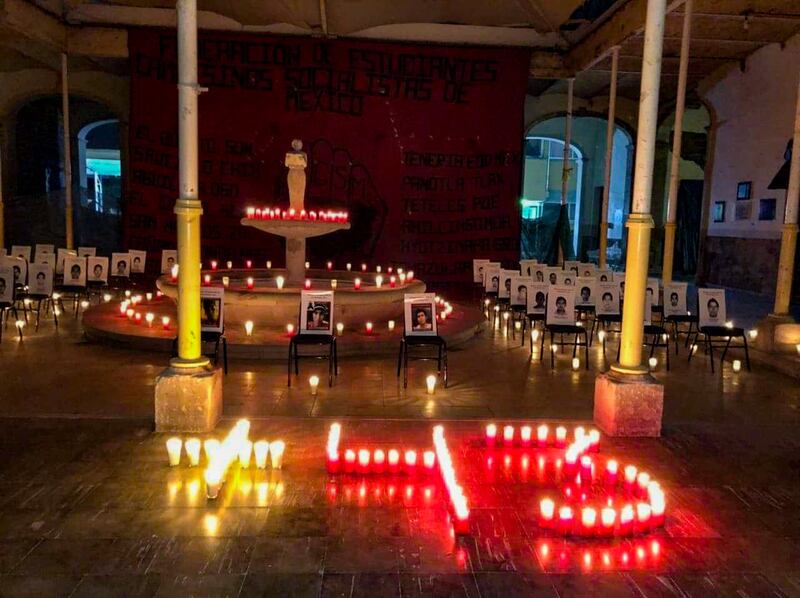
(296, 162)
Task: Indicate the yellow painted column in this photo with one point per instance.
(640, 222)
(783, 288)
(188, 208)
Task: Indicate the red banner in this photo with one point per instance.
(421, 144)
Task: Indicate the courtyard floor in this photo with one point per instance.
(88, 505)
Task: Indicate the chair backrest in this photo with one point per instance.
(21, 251)
(675, 299)
(74, 271)
(419, 314)
(587, 291)
(120, 265)
(316, 312)
(40, 280)
(607, 299)
(537, 298)
(561, 306)
(6, 285)
(711, 309)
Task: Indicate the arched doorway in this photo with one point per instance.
(541, 197)
(99, 167)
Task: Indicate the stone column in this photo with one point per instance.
(628, 401)
(674, 172)
(188, 395)
(565, 168)
(68, 219)
(610, 130)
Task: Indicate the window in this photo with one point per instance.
(719, 211)
(766, 209)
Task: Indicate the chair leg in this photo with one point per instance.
(746, 353)
(445, 366)
(400, 358)
(541, 349)
(405, 365)
(289, 367)
(330, 366)
(439, 360)
(710, 349)
(552, 353)
(586, 349)
(667, 353)
(225, 355)
(725, 351)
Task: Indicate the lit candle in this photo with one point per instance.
(250, 283)
(737, 365)
(279, 280)
(276, 450)
(642, 481)
(330, 265)
(378, 460)
(586, 470)
(411, 461)
(149, 317)
(657, 503)
(349, 266)
(612, 469)
(561, 437)
(576, 363)
(378, 281)
(193, 451)
(249, 264)
(542, 433)
(429, 461)
(130, 312)
(392, 281)
(608, 516)
(248, 328)
(357, 284)
(149, 296)
(290, 329)
(363, 461)
(410, 275)
(378, 269)
(334, 283)
(566, 520)
(174, 445)
(313, 382)
(213, 264)
(643, 516)
(394, 460)
(588, 520)
(508, 435)
(653, 363)
(137, 317)
(525, 433)
(391, 325)
(210, 447)
(339, 328)
(213, 478)
(349, 461)
(547, 509)
(363, 267)
(594, 441)
(626, 516)
(308, 283)
(308, 265)
(269, 264)
(245, 450)
(402, 278)
(251, 212)
(261, 450)
(491, 434)
(534, 335)
(630, 478)
(165, 322)
(368, 327)
(106, 297)
(430, 381)
(229, 264)
(127, 295)
(174, 272)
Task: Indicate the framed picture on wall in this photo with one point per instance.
(743, 189)
(767, 208)
(744, 210)
(719, 211)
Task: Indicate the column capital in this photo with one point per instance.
(188, 206)
(638, 220)
(670, 225)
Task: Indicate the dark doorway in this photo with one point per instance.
(687, 234)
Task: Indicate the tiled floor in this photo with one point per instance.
(89, 507)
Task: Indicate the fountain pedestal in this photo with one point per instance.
(295, 232)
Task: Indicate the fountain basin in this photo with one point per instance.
(272, 308)
(295, 229)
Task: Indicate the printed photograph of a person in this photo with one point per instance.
(586, 295)
(495, 284)
(521, 295)
(539, 301)
(712, 307)
(539, 276)
(553, 278)
(673, 300)
(607, 301)
(74, 274)
(39, 283)
(210, 311)
(6, 287)
(137, 264)
(604, 278)
(122, 268)
(318, 316)
(421, 313)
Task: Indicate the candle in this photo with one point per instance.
(430, 381)
(392, 281)
(542, 433)
(546, 512)
(245, 450)
(566, 519)
(534, 335)
(508, 435)
(329, 265)
(411, 461)
(210, 447)
(626, 516)
(612, 469)
(561, 437)
(313, 382)
(276, 450)
(308, 265)
(378, 460)
(363, 267)
(149, 317)
(429, 460)
(378, 281)
(570, 460)
(586, 470)
(106, 297)
(402, 278)
(137, 317)
(307, 283)
(251, 212)
(248, 328)
(357, 284)
(334, 283)
(394, 460)
(410, 275)
(658, 503)
(174, 445)
(165, 322)
(279, 280)
(249, 264)
(261, 450)
(491, 434)
(630, 478)
(349, 266)
(391, 325)
(229, 264)
(588, 520)
(290, 329)
(653, 363)
(269, 264)
(149, 296)
(642, 481)
(525, 435)
(643, 516)
(130, 312)
(339, 328)
(594, 441)
(608, 516)
(250, 283)
(363, 461)
(193, 451)
(213, 478)
(368, 327)
(213, 264)
(174, 272)
(576, 363)
(737, 365)
(349, 461)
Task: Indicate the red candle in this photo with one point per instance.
(308, 283)
(303, 215)
(608, 517)
(378, 460)
(349, 461)
(626, 516)
(363, 267)
(213, 264)
(411, 461)
(333, 461)
(392, 281)
(642, 481)
(570, 461)
(594, 441)
(249, 264)
(508, 435)
(491, 434)
(566, 520)
(368, 327)
(250, 283)
(643, 516)
(357, 284)
(547, 510)
(429, 461)
(258, 213)
(525, 435)
(137, 317)
(394, 460)
(658, 503)
(312, 215)
(292, 213)
(207, 279)
(330, 266)
(630, 479)
(588, 520)
(612, 469)
(586, 470)
(542, 432)
(561, 437)
(363, 461)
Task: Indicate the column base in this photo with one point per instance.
(188, 400)
(628, 405)
(777, 333)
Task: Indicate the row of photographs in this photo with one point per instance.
(481, 268)
(123, 263)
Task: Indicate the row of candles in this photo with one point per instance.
(458, 501)
(377, 461)
(127, 311)
(545, 436)
(562, 556)
(280, 281)
(248, 264)
(261, 452)
(292, 214)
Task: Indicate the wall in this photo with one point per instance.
(754, 121)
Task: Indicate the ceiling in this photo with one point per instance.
(568, 37)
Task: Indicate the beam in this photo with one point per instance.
(97, 42)
(548, 65)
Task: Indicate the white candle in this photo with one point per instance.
(391, 325)
(534, 335)
(149, 317)
(174, 445)
(737, 365)
(349, 266)
(193, 451)
(279, 280)
(165, 322)
(339, 328)
(261, 450)
(245, 450)
(378, 281)
(229, 264)
(431, 383)
(334, 283)
(290, 328)
(213, 479)
(269, 264)
(210, 447)
(308, 265)
(276, 450)
(653, 363)
(226, 280)
(248, 328)
(313, 382)
(106, 297)
(576, 363)
(752, 333)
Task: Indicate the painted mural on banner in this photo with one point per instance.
(420, 144)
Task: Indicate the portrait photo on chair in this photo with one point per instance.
(18, 266)
(586, 291)
(420, 314)
(519, 291)
(121, 265)
(711, 307)
(169, 257)
(316, 312)
(491, 277)
(505, 283)
(138, 261)
(561, 306)
(6, 285)
(61, 255)
(97, 269)
(477, 270)
(40, 279)
(537, 297)
(607, 294)
(22, 251)
(212, 309)
(74, 271)
(675, 299)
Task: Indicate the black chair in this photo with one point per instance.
(676, 321)
(307, 340)
(606, 323)
(5, 310)
(654, 336)
(425, 342)
(585, 314)
(726, 335)
(533, 320)
(46, 303)
(519, 313)
(561, 329)
(217, 339)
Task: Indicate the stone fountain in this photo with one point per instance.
(296, 231)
